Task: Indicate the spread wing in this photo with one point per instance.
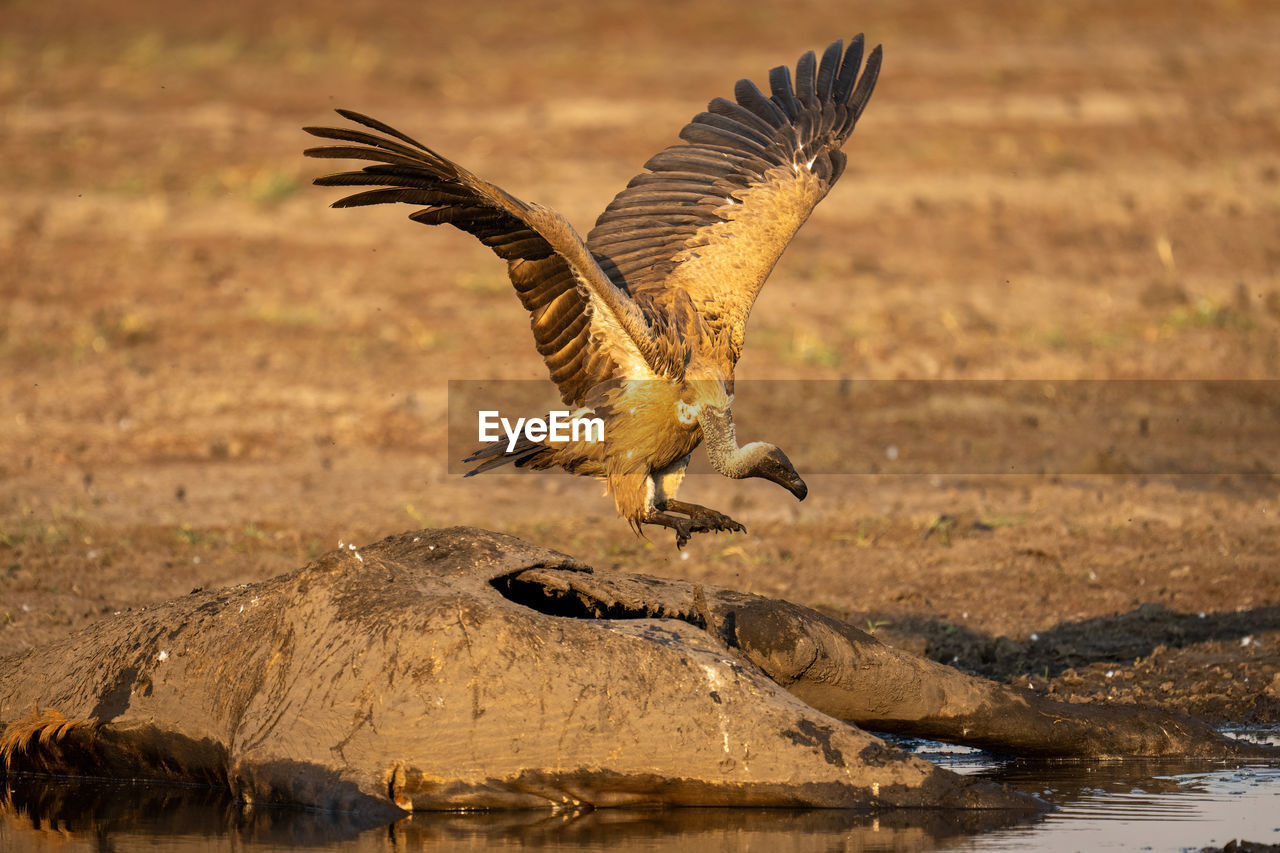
(587, 329)
(712, 216)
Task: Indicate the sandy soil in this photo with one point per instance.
(207, 377)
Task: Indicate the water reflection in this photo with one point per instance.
(1147, 805)
(1121, 805)
(1141, 806)
(36, 812)
(713, 829)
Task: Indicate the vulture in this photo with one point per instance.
(642, 323)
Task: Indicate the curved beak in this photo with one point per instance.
(787, 477)
(797, 488)
(777, 468)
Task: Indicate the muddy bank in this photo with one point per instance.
(459, 668)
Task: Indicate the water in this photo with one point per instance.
(1127, 805)
(1122, 805)
(1168, 812)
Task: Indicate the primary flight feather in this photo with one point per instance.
(642, 323)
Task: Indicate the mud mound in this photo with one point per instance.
(400, 676)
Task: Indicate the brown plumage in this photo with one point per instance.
(642, 323)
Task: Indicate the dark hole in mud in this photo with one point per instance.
(573, 603)
(538, 589)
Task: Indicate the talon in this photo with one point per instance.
(693, 519)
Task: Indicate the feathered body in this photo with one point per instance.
(642, 323)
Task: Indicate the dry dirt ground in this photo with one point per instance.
(208, 377)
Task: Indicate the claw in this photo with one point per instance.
(694, 519)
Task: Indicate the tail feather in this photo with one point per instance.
(496, 455)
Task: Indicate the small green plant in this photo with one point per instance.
(1206, 314)
(942, 526)
(268, 188)
(192, 536)
(1003, 520)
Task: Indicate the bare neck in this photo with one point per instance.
(727, 458)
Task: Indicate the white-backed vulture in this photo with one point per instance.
(641, 324)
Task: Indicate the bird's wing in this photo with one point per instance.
(712, 216)
(587, 329)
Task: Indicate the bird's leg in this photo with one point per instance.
(686, 527)
(663, 483)
(718, 520)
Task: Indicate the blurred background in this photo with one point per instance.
(207, 376)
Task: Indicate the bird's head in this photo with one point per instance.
(768, 461)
